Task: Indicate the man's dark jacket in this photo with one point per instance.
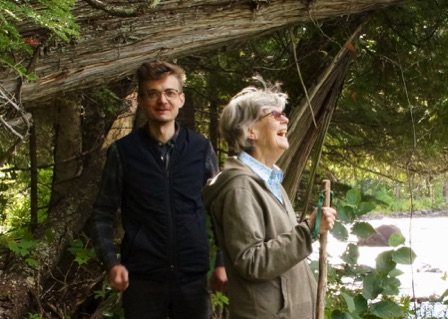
(161, 207)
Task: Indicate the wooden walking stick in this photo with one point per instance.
(322, 282)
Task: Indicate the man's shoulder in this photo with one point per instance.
(192, 135)
(132, 134)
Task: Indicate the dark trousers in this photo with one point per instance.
(161, 300)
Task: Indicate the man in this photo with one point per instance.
(155, 175)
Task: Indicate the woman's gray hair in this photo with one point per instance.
(244, 109)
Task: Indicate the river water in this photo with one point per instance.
(428, 238)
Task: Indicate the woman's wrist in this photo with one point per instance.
(310, 223)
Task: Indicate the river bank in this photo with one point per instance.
(429, 213)
(426, 234)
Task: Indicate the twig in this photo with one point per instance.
(322, 282)
(293, 48)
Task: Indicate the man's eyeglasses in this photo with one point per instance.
(154, 95)
(275, 114)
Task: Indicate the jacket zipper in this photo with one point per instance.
(172, 228)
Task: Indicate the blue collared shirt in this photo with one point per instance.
(273, 177)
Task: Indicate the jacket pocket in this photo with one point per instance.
(271, 297)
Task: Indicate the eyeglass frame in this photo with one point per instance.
(159, 93)
(275, 114)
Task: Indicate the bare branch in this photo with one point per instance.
(10, 107)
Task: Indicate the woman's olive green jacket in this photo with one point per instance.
(264, 247)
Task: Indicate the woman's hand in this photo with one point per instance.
(327, 220)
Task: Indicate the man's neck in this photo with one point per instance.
(162, 132)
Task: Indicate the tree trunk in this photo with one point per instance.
(445, 191)
(67, 148)
(24, 286)
(187, 114)
(112, 45)
(33, 180)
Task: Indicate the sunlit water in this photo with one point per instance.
(428, 238)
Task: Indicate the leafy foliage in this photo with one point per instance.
(393, 97)
(82, 253)
(15, 198)
(54, 16)
(374, 291)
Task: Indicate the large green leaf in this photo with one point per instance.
(345, 214)
(404, 255)
(364, 208)
(363, 229)
(353, 197)
(385, 262)
(396, 239)
(386, 309)
(391, 286)
(360, 304)
(339, 231)
(349, 301)
(338, 314)
(371, 286)
(395, 272)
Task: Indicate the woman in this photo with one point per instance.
(264, 246)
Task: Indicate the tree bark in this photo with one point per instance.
(111, 47)
(67, 148)
(33, 180)
(24, 286)
(445, 191)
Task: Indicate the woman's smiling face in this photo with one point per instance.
(268, 135)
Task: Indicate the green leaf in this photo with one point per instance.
(404, 255)
(345, 214)
(219, 299)
(395, 272)
(384, 262)
(31, 262)
(386, 309)
(396, 239)
(371, 286)
(363, 229)
(349, 301)
(391, 286)
(339, 231)
(353, 197)
(77, 243)
(82, 254)
(351, 254)
(27, 244)
(12, 245)
(444, 295)
(364, 208)
(338, 314)
(360, 304)
(22, 247)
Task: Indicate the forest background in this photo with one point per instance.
(366, 81)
